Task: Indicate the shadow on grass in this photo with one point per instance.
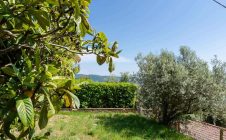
(133, 125)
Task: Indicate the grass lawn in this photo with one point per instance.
(106, 126)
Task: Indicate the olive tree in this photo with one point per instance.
(41, 42)
(216, 111)
(124, 77)
(172, 86)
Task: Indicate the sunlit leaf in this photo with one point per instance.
(25, 111)
(76, 102)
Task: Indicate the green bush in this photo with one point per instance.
(107, 95)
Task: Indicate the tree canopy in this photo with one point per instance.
(41, 42)
(174, 86)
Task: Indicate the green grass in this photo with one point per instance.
(106, 126)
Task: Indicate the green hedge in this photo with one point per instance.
(107, 95)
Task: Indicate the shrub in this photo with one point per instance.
(107, 95)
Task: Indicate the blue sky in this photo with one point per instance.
(143, 26)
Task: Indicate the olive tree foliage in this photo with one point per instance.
(173, 86)
(40, 43)
(124, 77)
(216, 111)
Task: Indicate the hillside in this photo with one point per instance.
(98, 78)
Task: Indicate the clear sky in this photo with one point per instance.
(151, 25)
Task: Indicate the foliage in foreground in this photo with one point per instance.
(174, 86)
(107, 95)
(40, 45)
(107, 126)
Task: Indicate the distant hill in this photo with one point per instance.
(98, 78)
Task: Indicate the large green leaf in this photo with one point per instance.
(9, 70)
(25, 111)
(51, 108)
(111, 67)
(43, 119)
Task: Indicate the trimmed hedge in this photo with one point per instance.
(107, 95)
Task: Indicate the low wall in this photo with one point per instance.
(201, 131)
(195, 129)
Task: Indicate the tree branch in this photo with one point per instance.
(66, 48)
(13, 48)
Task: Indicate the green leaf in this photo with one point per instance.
(28, 20)
(111, 67)
(76, 102)
(52, 69)
(118, 52)
(60, 81)
(77, 8)
(12, 1)
(71, 85)
(85, 22)
(43, 119)
(115, 46)
(53, 2)
(51, 110)
(9, 70)
(45, 76)
(83, 30)
(50, 85)
(41, 17)
(103, 37)
(3, 6)
(89, 1)
(25, 111)
(101, 59)
(78, 22)
(27, 60)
